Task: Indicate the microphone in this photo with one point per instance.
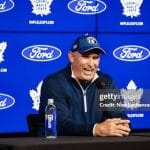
(101, 83)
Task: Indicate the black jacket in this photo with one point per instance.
(77, 110)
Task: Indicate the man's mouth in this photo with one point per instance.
(88, 71)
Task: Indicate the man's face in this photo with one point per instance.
(84, 65)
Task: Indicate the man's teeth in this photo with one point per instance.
(88, 69)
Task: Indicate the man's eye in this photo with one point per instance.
(95, 57)
(85, 56)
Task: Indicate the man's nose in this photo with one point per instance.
(91, 62)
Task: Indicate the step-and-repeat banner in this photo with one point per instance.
(48, 15)
(128, 61)
(125, 16)
(35, 37)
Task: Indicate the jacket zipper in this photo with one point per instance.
(84, 100)
(84, 93)
(84, 97)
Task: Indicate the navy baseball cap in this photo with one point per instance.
(86, 43)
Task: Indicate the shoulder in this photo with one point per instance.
(57, 77)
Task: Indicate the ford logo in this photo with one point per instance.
(41, 53)
(6, 101)
(6, 5)
(87, 7)
(131, 53)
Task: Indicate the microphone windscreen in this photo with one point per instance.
(101, 83)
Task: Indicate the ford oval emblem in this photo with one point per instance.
(85, 7)
(6, 101)
(41, 53)
(131, 53)
(6, 5)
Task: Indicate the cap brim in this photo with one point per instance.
(100, 50)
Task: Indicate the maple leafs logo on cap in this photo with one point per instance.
(91, 40)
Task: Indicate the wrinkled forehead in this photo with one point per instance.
(94, 51)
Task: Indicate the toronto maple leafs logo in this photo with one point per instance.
(131, 8)
(35, 95)
(132, 95)
(3, 46)
(91, 40)
(41, 7)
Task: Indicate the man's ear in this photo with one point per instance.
(70, 56)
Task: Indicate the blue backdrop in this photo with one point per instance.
(35, 38)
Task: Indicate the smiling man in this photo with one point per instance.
(74, 90)
(84, 65)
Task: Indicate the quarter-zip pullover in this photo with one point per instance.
(77, 108)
